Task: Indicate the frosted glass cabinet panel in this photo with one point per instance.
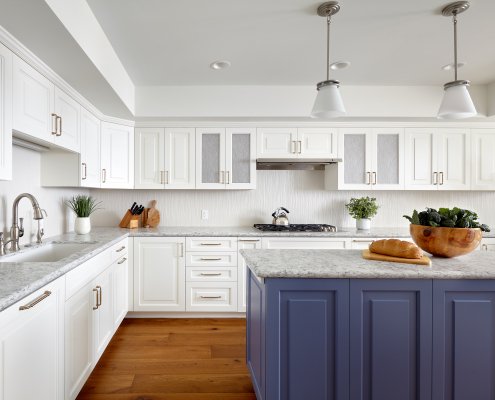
(240, 167)
(210, 163)
(355, 171)
(388, 159)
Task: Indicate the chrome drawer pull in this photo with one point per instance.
(119, 250)
(100, 291)
(210, 274)
(210, 297)
(211, 244)
(35, 301)
(97, 305)
(362, 240)
(210, 259)
(249, 240)
(122, 261)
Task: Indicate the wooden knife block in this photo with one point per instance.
(129, 221)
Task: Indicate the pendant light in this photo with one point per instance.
(328, 103)
(456, 103)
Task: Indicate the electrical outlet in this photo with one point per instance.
(204, 214)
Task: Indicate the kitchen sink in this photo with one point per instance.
(50, 252)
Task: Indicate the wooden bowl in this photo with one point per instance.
(446, 242)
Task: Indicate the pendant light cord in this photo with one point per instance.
(328, 47)
(455, 44)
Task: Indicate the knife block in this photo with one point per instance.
(129, 221)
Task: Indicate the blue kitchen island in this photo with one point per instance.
(327, 324)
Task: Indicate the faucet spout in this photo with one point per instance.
(17, 231)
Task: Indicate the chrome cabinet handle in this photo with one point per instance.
(435, 178)
(221, 177)
(368, 175)
(210, 259)
(210, 297)
(210, 274)
(227, 174)
(104, 175)
(362, 240)
(59, 126)
(180, 249)
(299, 144)
(37, 300)
(97, 305)
(484, 247)
(374, 178)
(249, 240)
(119, 250)
(54, 124)
(100, 291)
(211, 244)
(85, 169)
(441, 178)
(162, 180)
(166, 178)
(293, 146)
(122, 261)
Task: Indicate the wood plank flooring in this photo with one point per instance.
(173, 359)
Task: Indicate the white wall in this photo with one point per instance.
(300, 191)
(26, 179)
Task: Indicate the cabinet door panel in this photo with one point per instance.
(355, 170)
(69, 112)
(104, 322)
(317, 142)
(391, 339)
(388, 168)
(5, 113)
(483, 162)
(463, 332)
(90, 150)
(180, 161)
(421, 159)
(240, 159)
(150, 160)
(244, 243)
(117, 161)
(276, 142)
(210, 153)
(120, 289)
(159, 274)
(454, 159)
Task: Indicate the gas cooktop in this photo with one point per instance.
(296, 228)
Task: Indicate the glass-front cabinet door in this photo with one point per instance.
(356, 150)
(387, 172)
(210, 158)
(240, 156)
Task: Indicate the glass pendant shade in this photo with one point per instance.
(456, 103)
(328, 103)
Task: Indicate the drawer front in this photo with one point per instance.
(212, 244)
(207, 274)
(118, 250)
(211, 296)
(200, 259)
(304, 243)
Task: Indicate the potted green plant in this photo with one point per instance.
(362, 210)
(83, 206)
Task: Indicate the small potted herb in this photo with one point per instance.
(362, 210)
(83, 206)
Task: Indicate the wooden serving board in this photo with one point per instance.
(368, 255)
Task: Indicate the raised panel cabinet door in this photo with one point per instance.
(32, 346)
(482, 160)
(117, 156)
(79, 328)
(276, 142)
(463, 339)
(68, 112)
(159, 274)
(317, 142)
(454, 159)
(244, 243)
(391, 339)
(120, 282)
(5, 113)
(149, 158)
(32, 102)
(240, 158)
(210, 158)
(104, 321)
(388, 159)
(180, 158)
(90, 150)
(421, 156)
(307, 339)
(357, 152)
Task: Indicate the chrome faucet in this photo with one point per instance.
(17, 229)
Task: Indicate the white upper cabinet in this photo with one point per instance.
(437, 159)
(68, 113)
(296, 143)
(5, 113)
(90, 150)
(180, 150)
(373, 159)
(483, 160)
(149, 158)
(117, 161)
(225, 158)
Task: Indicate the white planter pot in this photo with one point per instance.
(82, 225)
(363, 224)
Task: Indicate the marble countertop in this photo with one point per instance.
(350, 264)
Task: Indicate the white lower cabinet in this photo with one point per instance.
(32, 346)
(120, 280)
(211, 296)
(244, 243)
(103, 316)
(159, 274)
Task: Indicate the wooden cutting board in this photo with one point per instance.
(153, 215)
(368, 255)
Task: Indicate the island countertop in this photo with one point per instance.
(350, 264)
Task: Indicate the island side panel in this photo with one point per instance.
(307, 339)
(464, 339)
(391, 339)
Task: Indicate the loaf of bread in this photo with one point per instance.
(396, 248)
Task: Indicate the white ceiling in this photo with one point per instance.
(282, 42)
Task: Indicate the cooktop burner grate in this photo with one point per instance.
(296, 228)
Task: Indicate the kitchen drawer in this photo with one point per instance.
(206, 274)
(211, 244)
(211, 296)
(304, 243)
(200, 259)
(118, 250)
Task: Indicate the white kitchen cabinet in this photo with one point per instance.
(5, 113)
(68, 113)
(437, 159)
(483, 160)
(120, 278)
(117, 156)
(165, 158)
(32, 346)
(159, 274)
(244, 243)
(312, 243)
(225, 158)
(487, 244)
(90, 150)
(104, 318)
(211, 296)
(373, 159)
(296, 143)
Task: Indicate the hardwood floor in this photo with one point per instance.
(173, 359)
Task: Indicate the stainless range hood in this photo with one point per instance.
(311, 164)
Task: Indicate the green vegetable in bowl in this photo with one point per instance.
(445, 217)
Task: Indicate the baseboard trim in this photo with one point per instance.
(152, 314)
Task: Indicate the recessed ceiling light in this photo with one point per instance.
(223, 64)
(450, 67)
(339, 65)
